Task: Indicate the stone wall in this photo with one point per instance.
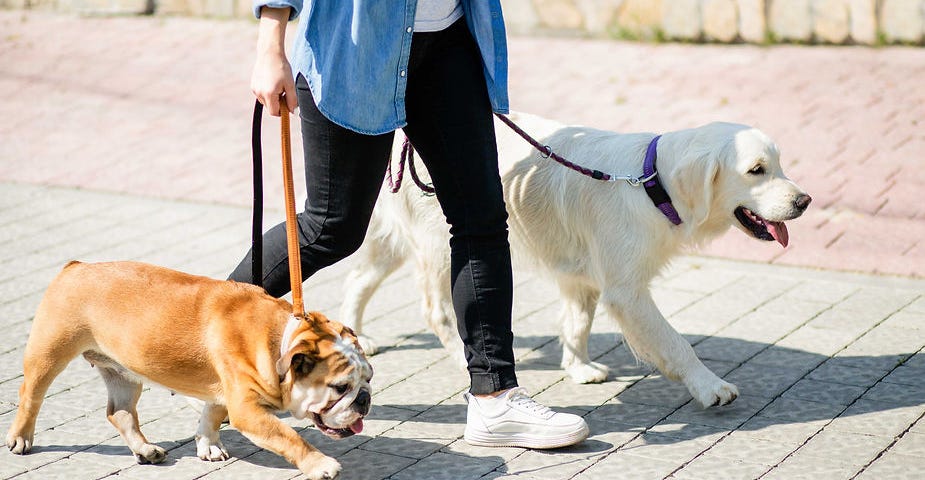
(866, 22)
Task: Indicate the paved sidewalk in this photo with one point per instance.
(118, 140)
(828, 365)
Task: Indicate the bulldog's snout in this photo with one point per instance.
(361, 404)
(802, 202)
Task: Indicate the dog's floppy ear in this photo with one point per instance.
(696, 178)
(300, 358)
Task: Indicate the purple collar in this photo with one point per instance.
(654, 187)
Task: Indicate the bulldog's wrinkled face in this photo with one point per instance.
(329, 375)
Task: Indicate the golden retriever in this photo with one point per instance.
(601, 242)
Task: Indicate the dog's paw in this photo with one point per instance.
(150, 453)
(19, 444)
(209, 451)
(712, 391)
(320, 467)
(592, 372)
(368, 345)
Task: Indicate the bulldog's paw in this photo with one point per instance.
(211, 451)
(591, 372)
(320, 467)
(149, 453)
(368, 345)
(711, 391)
(20, 444)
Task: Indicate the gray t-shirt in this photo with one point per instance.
(436, 15)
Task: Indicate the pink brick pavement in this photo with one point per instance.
(161, 107)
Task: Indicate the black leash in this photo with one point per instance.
(257, 224)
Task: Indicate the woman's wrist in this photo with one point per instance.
(271, 36)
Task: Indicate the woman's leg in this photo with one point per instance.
(344, 171)
(450, 123)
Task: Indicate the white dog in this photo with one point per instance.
(601, 242)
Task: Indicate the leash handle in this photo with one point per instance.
(292, 236)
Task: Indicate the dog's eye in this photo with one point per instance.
(757, 170)
(340, 389)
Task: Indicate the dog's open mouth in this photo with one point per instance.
(356, 427)
(762, 228)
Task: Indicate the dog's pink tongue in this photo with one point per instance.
(357, 426)
(778, 230)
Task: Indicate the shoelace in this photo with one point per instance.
(518, 397)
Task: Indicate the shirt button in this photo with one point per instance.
(402, 73)
(408, 29)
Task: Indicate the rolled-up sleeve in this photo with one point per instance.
(295, 6)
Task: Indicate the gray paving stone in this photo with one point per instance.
(706, 466)
(798, 410)
(656, 390)
(181, 463)
(896, 394)
(910, 444)
(876, 418)
(68, 467)
(632, 414)
(626, 465)
(895, 466)
(727, 349)
(592, 395)
(808, 468)
(359, 464)
(851, 448)
(765, 380)
(447, 466)
(461, 447)
(549, 465)
(726, 417)
(655, 446)
(674, 430)
(261, 465)
(848, 375)
(907, 319)
(409, 445)
(738, 445)
(825, 392)
(781, 431)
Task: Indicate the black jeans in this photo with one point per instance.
(450, 124)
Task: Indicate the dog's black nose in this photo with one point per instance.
(802, 201)
(361, 404)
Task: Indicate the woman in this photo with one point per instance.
(437, 69)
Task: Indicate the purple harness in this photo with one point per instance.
(649, 179)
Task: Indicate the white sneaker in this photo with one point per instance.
(513, 419)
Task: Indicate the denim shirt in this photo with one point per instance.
(354, 55)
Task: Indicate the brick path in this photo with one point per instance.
(120, 141)
(161, 107)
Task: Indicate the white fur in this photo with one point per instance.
(602, 243)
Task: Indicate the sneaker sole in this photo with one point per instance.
(523, 440)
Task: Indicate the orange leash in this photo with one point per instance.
(292, 236)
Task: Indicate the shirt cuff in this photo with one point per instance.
(295, 7)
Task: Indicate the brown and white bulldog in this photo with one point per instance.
(229, 344)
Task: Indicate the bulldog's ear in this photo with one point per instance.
(299, 359)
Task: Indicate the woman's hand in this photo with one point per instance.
(272, 75)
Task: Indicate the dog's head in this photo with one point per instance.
(731, 175)
(329, 376)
